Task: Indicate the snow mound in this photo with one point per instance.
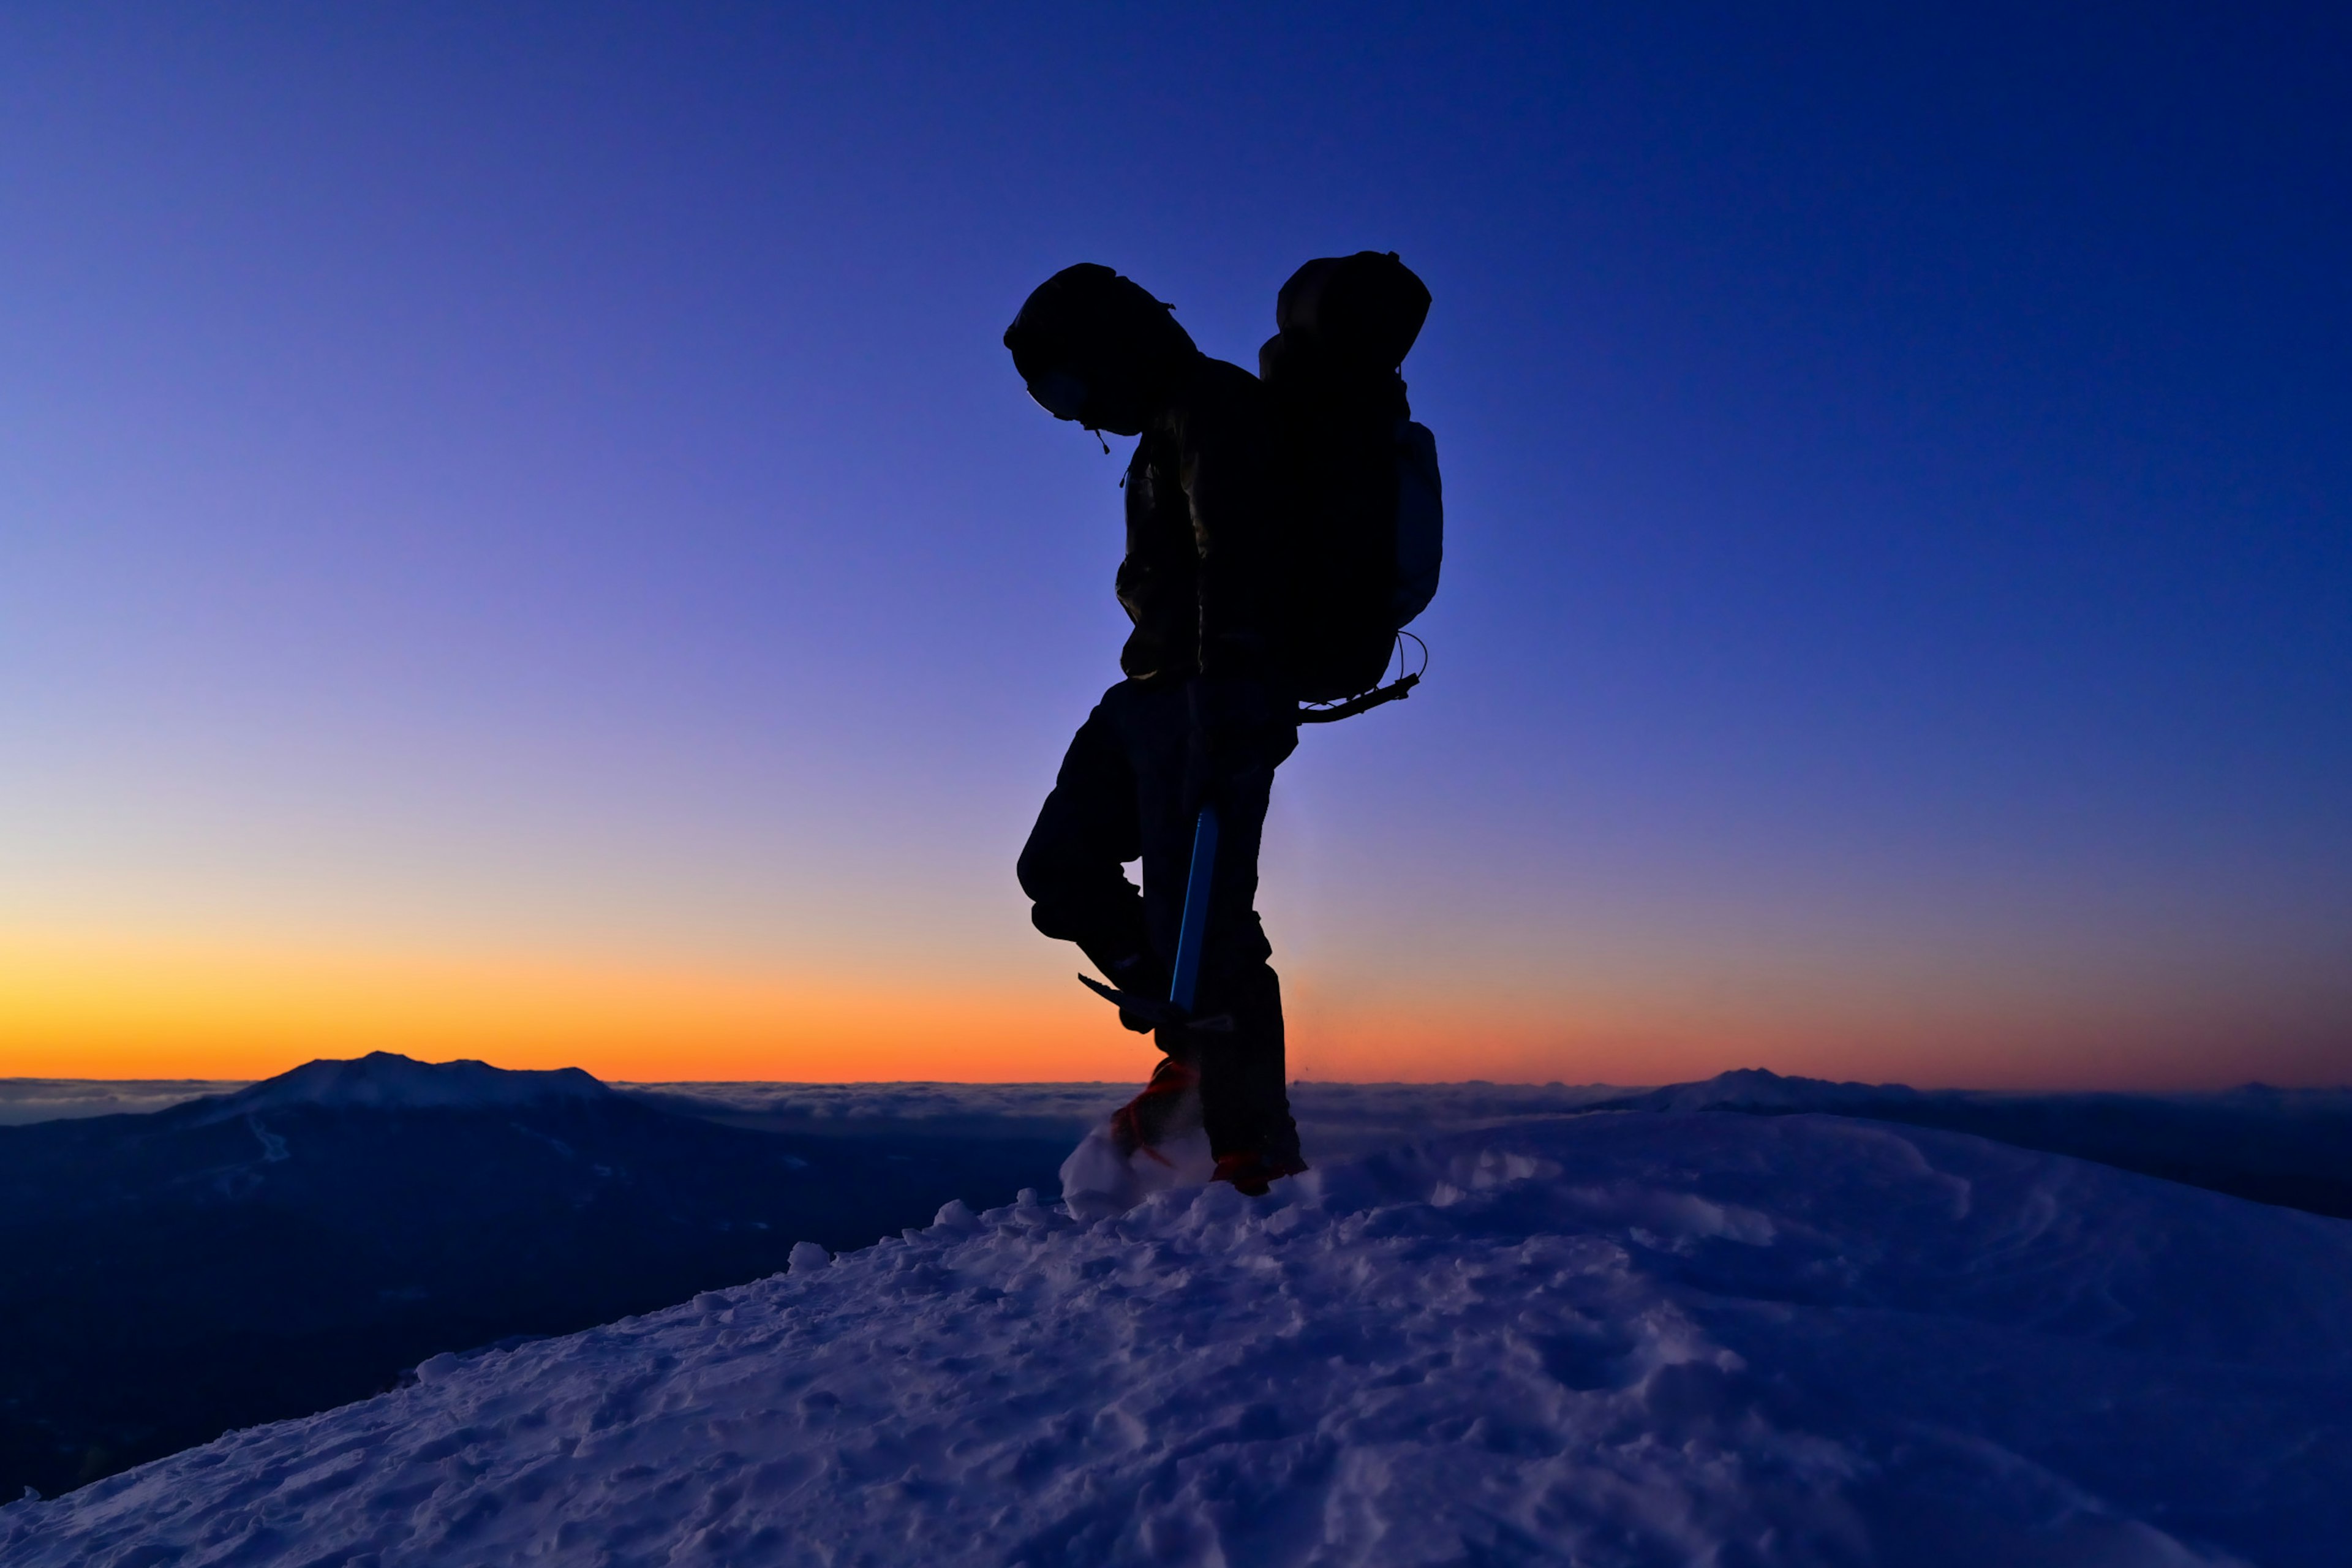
(1611, 1339)
(386, 1081)
(1098, 1181)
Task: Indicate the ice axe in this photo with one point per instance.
(1185, 982)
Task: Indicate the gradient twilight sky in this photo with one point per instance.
(518, 537)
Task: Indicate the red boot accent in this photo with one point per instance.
(1143, 1120)
(1252, 1173)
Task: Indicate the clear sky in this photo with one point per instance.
(518, 536)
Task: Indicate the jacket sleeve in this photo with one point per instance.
(1227, 476)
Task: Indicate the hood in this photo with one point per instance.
(1096, 348)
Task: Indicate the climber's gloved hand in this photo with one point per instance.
(1237, 728)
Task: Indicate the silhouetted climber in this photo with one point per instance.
(1280, 533)
(1207, 712)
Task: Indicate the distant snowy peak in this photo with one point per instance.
(386, 1081)
(1756, 1089)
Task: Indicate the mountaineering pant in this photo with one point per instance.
(1121, 796)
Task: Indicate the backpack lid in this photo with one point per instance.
(1365, 309)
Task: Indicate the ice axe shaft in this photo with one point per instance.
(1187, 978)
(1176, 1011)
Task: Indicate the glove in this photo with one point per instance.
(1237, 729)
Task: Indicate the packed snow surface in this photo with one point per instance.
(1602, 1339)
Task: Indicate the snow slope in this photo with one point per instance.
(1603, 1340)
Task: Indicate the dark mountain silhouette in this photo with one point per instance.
(298, 1244)
(2284, 1146)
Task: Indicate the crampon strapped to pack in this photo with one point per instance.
(1360, 477)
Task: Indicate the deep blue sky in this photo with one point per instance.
(542, 484)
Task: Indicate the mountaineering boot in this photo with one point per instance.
(1167, 1099)
(1251, 1172)
(1268, 1157)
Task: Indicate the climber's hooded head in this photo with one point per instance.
(1095, 347)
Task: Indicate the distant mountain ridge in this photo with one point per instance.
(1759, 1090)
(384, 1080)
(1762, 1089)
(2288, 1147)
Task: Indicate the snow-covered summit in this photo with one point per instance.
(1760, 1089)
(1622, 1340)
(387, 1080)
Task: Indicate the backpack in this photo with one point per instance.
(1359, 476)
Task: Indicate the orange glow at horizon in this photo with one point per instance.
(172, 1008)
(176, 1009)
